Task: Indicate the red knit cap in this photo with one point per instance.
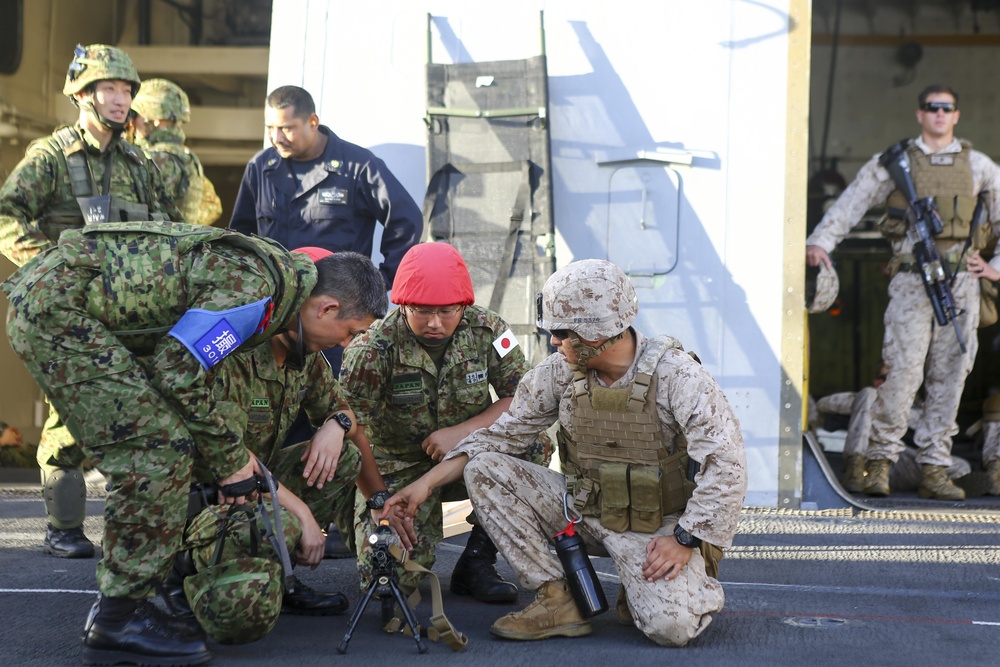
(314, 253)
(432, 274)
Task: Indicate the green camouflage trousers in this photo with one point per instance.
(336, 498)
(121, 420)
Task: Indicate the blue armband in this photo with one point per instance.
(210, 335)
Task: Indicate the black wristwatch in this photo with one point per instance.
(685, 538)
(342, 419)
(377, 501)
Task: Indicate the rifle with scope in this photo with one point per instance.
(923, 225)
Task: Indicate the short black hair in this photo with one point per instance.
(292, 96)
(936, 88)
(355, 282)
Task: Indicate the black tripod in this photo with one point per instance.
(385, 583)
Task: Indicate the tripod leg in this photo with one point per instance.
(411, 618)
(342, 648)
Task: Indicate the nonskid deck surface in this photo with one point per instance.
(831, 587)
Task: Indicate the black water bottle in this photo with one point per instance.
(583, 583)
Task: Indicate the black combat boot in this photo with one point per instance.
(69, 543)
(175, 599)
(476, 574)
(304, 601)
(135, 632)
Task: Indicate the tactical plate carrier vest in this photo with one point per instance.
(67, 142)
(622, 467)
(948, 178)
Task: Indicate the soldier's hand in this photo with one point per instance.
(665, 558)
(244, 473)
(311, 546)
(322, 455)
(401, 525)
(440, 442)
(816, 256)
(980, 268)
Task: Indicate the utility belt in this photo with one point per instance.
(907, 263)
(627, 495)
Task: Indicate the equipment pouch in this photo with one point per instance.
(675, 485)
(893, 224)
(644, 485)
(987, 303)
(54, 224)
(614, 496)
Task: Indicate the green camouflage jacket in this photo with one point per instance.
(395, 389)
(40, 184)
(182, 175)
(266, 398)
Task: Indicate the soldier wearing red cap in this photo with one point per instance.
(419, 381)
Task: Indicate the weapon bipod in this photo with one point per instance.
(389, 592)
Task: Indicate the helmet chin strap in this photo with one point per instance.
(114, 126)
(584, 352)
(296, 359)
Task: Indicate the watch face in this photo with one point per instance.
(343, 420)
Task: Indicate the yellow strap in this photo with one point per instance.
(441, 628)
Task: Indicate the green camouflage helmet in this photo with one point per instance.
(160, 99)
(99, 62)
(592, 298)
(236, 594)
(237, 601)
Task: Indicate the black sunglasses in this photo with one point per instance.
(561, 334)
(934, 107)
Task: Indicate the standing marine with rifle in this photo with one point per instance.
(931, 186)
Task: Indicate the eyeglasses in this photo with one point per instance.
(934, 107)
(443, 313)
(561, 334)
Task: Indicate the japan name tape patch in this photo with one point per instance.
(505, 343)
(211, 335)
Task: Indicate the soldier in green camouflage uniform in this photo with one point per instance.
(161, 107)
(419, 381)
(319, 475)
(124, 326)
(40, 199)
(13, 452)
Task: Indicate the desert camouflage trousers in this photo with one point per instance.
(520, 505)
(121, 420)
(905, 473)
(991, 442)
(919, 351)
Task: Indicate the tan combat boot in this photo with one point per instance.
(622, 612)
(877, 480)
(854, 473)
(934, 483)
(552, 614)
(993, 474)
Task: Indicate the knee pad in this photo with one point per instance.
(65, 496)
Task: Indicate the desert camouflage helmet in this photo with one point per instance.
(161, 99)
(591, 297)
(99, 62)
(821, 297)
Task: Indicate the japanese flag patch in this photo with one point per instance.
(505, 343)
